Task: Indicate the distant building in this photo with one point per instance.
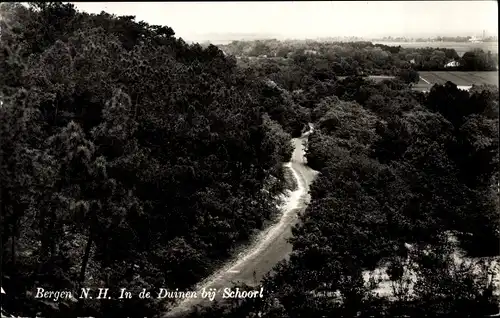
(475, 39)
(313, 52)
(452, 64)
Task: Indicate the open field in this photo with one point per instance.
(460, 78)
(464, 79)
(427, 79)
(376, 78)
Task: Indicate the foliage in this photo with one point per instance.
(129, 158)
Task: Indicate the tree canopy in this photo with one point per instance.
(129, 158)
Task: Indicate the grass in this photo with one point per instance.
(460, 78)
(427, 79)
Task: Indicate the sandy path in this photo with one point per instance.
(269, 248)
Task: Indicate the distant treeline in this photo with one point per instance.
(458, 39)
(375, 59)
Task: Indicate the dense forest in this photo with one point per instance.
(408, 186)
(347, 58)
(130, 159)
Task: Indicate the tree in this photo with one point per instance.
(409, 76)
(118, 140)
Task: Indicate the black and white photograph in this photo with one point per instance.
(278, 159)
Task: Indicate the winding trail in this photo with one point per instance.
(270, 247)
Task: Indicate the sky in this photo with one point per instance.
(197, 21)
